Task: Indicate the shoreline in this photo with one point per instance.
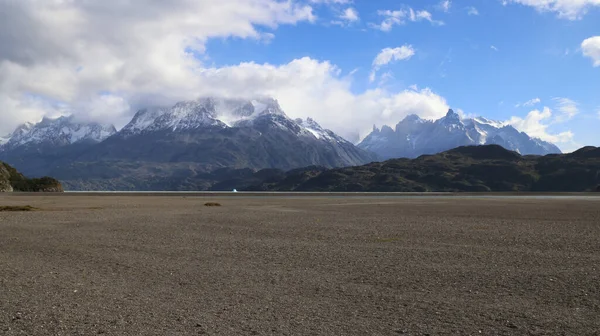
(269, 194)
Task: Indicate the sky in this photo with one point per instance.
(349, 64)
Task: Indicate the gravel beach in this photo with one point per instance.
(169, 265)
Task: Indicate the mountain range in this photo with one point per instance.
(413, 137)
(175, 147)
(194, 145)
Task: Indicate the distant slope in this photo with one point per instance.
(12, 180)
(413, 137)
(470, 169)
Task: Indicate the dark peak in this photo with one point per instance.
(411, 118)
(452, 115)
(386, 129)
(487, 152)
(375, 129)
(587, 152)
(310, 121)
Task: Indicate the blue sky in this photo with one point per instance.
(349, 64)
(487, 64)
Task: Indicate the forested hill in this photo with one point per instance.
(469, 169)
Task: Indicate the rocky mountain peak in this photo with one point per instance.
(59, 131)
(411, 118)
(451, 118)
(414, 136)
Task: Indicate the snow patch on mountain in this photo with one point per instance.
(493, 123)
(317, 131)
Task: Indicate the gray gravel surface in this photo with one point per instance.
(157, 265)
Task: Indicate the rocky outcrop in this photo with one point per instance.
(5, 185)
(11, 180)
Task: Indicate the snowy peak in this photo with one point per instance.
(452, 115)
(451, 119)
(317, 131)
(414, 136)
(187, 115)
(412, 118)
(484, 121)
(59, 132)
(234, 111)
(143, 119)
(200, 113)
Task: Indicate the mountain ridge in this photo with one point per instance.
(484, 168)
(414, 136)
(61, 131)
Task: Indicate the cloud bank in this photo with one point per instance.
(102, 60)
(567, 9)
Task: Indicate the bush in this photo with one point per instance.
(36, 184)
(16, 208)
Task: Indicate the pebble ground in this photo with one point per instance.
(156, 265)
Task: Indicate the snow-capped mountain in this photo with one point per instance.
(218, 113)
(219, 132)
(201, 113)
(414, 136)
(57, 132)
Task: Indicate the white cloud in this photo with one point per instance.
(568, 9)
(350, 15)
(472, 11)
(567, 107)
(400, 17)
(591, 48)
(102, 60)
(69, 52)
(309, 88)
(494, 48)
(388, 55)
(530, 102)
(536, 124)
(445, 5)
